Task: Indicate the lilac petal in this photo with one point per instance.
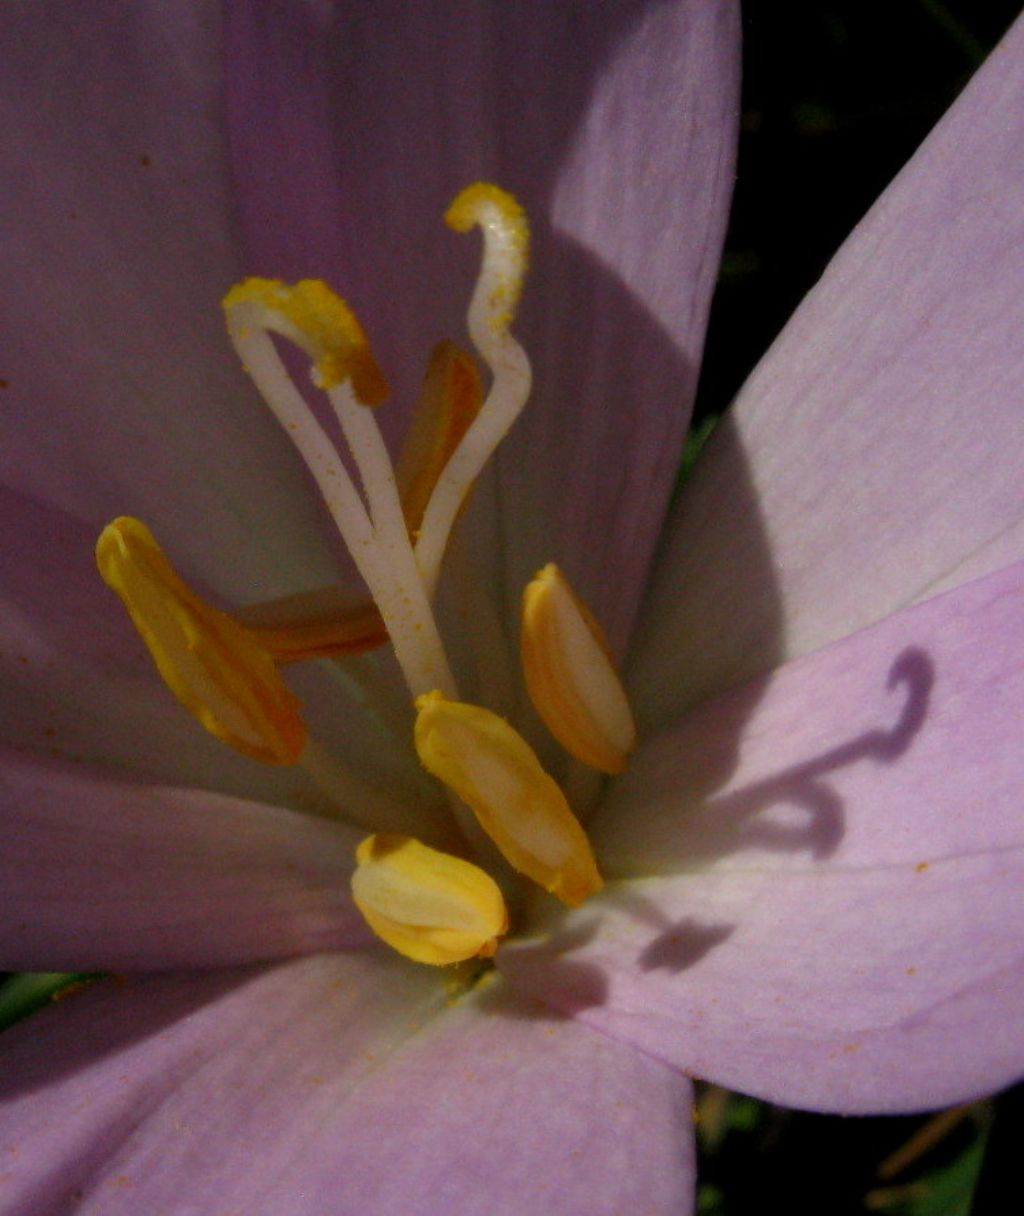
(120, 391)
(836, 923)
(334, 1084)
(98, 873)
(874, 456)
(615, 126)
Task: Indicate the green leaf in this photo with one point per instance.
(23, 994)
(947, 1190)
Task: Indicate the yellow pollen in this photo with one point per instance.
(571, 676)
(497, 774)
(430, 906)
(507, 235)
(212, 664)
(449, 401)
(318, 321)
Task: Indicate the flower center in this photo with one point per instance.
(431, 906)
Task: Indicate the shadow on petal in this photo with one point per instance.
(682, 945)
(125, 1022)
(678, 944)
(796, 809)
(580, 985)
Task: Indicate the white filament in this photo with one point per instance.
(500, 272)
(390, 574)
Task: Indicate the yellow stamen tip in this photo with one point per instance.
(320, 322)
(430, 906)
(474, 204)
(497, 774)
(507, 235)
(571, 676)
(212, 664)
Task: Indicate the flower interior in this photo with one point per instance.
(433, 906)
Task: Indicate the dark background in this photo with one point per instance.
(836, 98)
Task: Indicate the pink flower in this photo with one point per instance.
(815, 860)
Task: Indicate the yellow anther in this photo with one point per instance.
(430, 906)
(571, 676)
(315, 319)
(213, 665)
(506, 245)
(495, 771)
(321, 624)
(449, 401)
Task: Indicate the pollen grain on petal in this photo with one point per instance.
(312, 316)
(520, 806)
(430, 906)
(211, 663)
(571, 676)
